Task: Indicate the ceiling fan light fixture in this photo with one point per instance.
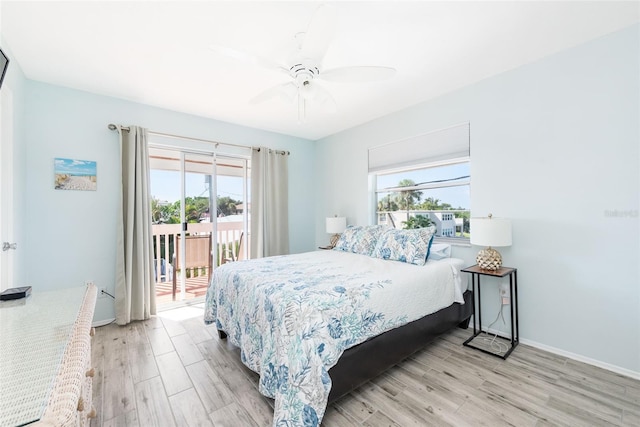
(307, 90)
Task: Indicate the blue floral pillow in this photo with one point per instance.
(410, 246)
(345, 241)
(366, 238)
(360, 239)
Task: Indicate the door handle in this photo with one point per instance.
(6, 246)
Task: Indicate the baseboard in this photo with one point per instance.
(609, 367)
(103, 322)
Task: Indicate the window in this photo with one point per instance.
(429, 195)
(423, 181)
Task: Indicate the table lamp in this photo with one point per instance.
(335, 226)
(490, 232)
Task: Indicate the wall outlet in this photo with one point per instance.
(101, 294)
(504, 290)
(505, 295)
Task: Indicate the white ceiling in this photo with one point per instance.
(159, 52)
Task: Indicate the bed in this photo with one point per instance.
(316, 325)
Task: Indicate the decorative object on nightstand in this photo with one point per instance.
(490, 232)
(335, 226)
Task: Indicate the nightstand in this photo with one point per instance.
(476, 272)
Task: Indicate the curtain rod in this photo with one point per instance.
(271, 150)
(168, 135)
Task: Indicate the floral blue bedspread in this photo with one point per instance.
(292, 318)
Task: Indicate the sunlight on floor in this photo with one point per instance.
(182, 313)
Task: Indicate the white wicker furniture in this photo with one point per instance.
(45, 358)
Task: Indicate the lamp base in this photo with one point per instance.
(334, 240)
(489, 259)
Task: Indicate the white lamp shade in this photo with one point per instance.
(336, 224)
(490, 231)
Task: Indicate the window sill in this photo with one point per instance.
(465, 243)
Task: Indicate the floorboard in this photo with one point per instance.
(153, 404)
(188, 409)
(174, 370)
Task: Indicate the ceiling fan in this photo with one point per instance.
(304, 66)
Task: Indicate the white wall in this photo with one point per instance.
(554, 147)
(71, 234)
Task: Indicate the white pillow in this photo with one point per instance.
(440, 251)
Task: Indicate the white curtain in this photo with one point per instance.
(269, 203)
(135, 284)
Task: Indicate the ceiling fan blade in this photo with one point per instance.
(286, 91)
(323, 97)
(358, 74)
(320, 33)
(248, 58)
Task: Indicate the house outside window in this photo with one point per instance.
(430, 195)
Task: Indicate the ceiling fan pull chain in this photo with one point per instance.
(302, 107)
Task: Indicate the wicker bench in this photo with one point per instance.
(70, 400)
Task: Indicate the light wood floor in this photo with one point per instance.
(173, 370)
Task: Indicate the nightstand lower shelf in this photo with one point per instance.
(476, 342)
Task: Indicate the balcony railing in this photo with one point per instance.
(165, 238)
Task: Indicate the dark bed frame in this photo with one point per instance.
(365, 361)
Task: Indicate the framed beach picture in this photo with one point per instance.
(73, 174)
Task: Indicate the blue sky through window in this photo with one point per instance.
(455, 196)
(165, 185)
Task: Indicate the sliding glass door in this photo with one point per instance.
(199, 218)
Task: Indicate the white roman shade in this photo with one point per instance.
(433, 147)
